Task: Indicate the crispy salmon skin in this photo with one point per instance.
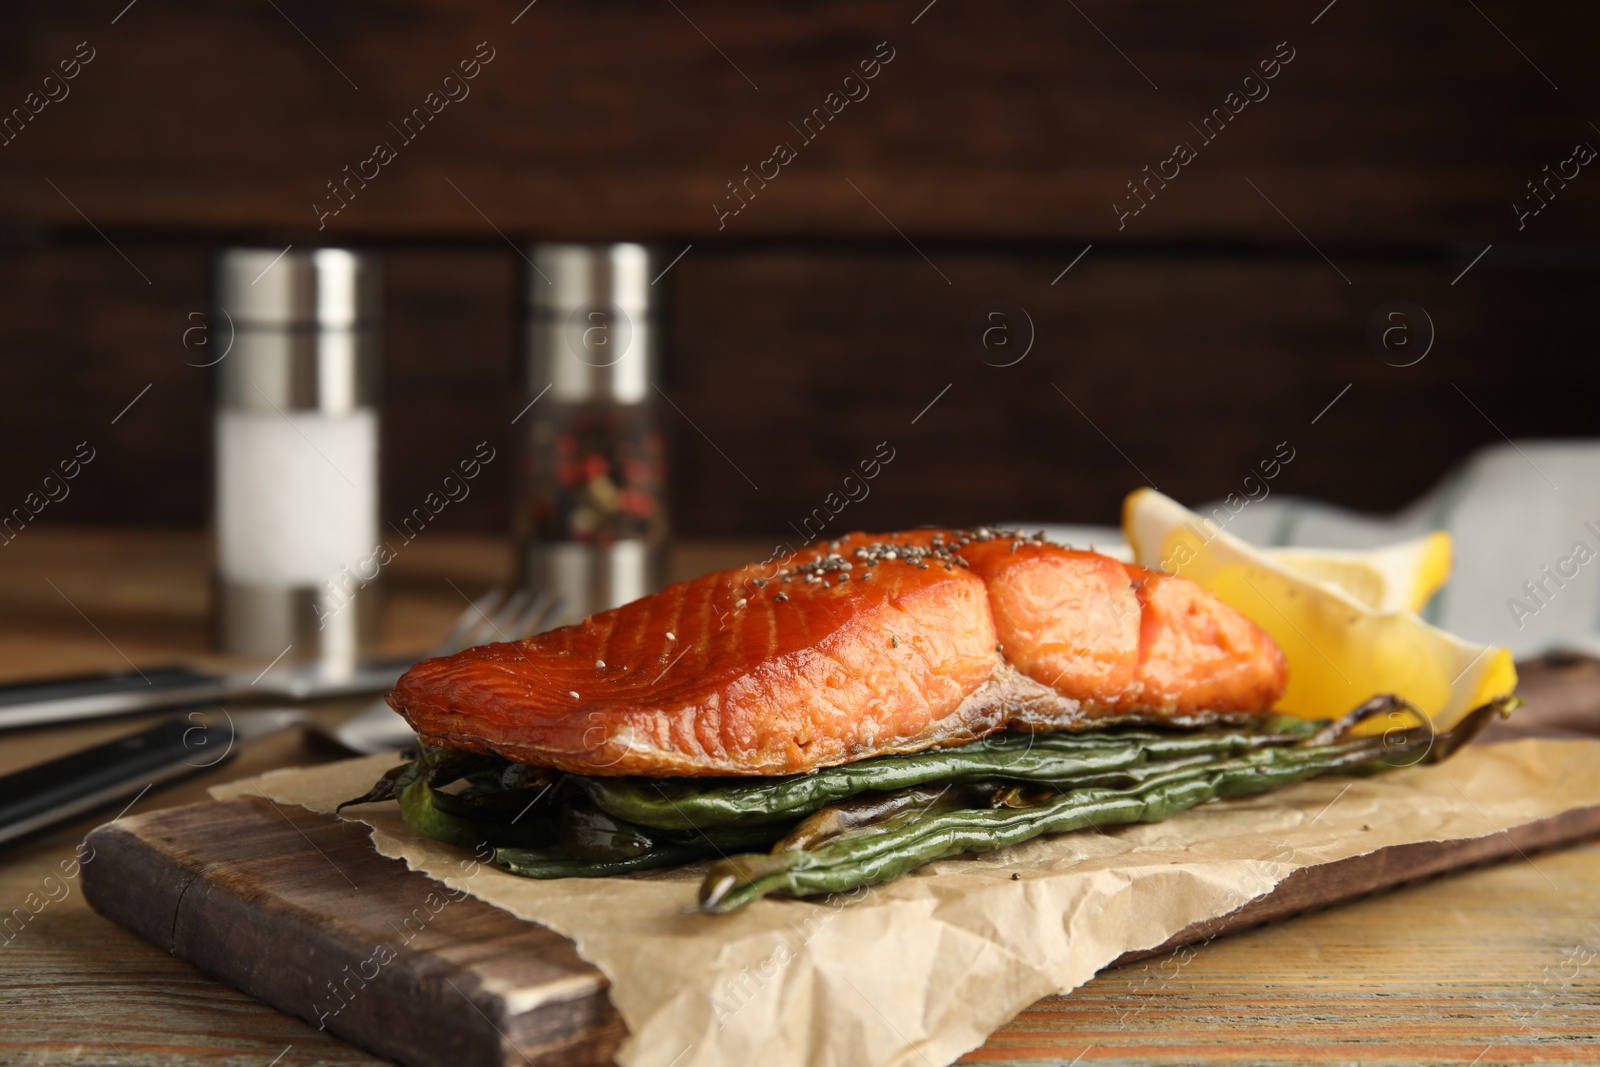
(868, 645)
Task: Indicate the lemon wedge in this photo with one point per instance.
(1398, 577)
(1341, 650)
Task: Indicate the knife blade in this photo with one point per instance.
(48, 793)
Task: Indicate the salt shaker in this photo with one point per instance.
(591, 515)
(297, 454)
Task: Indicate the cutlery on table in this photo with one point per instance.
(97, 696)
(47, 793)
(378, 729)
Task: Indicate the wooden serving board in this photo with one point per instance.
(292, 907)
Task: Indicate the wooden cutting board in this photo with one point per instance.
(299, 910)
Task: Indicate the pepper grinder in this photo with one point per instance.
(297, 454)
(591, 517)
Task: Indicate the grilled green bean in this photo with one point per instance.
(553, 863)
(909, 839)
(870, 821)
(872, 808)
(455, 821)
(442, 765)
(598, 856)
(572, 840)
(1054, 757)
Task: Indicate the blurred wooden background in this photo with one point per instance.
(827, 314)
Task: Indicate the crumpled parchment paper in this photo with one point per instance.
(922, 969)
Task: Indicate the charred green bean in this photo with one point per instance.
(455, 821)
(1054, 757)
(867, 822)
(910, 839)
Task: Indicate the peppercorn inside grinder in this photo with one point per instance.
(591, 521)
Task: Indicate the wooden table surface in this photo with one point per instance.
(1497, 965)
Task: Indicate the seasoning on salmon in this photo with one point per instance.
(864, 646)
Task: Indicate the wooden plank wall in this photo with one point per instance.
(823, 317)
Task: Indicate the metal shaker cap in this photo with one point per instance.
(592, 334)
(304, 329)
(324, 288)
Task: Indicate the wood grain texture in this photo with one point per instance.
(144, 598)
(80, 990)
(805, 329)
(1434, 972)
(1482, 968)
(89, 338)
(791, 364)
(293, 907)
(628, 118)
(1183, 373)
(302, 913)
(1313, 888)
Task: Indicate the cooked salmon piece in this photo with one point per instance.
(1195, 652)
(865, 646)
(1066, 619)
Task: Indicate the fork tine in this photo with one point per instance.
(374, 730)
(532, 618)
(510, 610)
(553, 608)
(493, 627)
(468, 621)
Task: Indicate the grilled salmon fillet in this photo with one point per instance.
(868, 645)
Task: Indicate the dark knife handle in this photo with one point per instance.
(113, 693)
(48, 793)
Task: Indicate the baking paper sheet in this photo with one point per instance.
(922, 969)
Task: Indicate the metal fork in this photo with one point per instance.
(44, 795)
(495, 616)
